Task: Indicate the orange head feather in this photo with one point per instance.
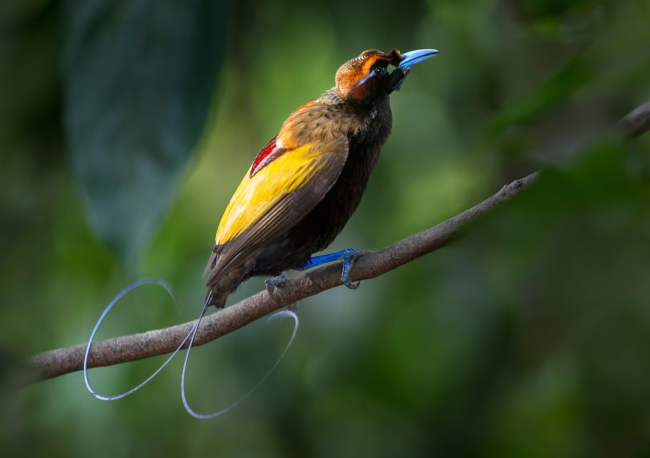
(370, 75)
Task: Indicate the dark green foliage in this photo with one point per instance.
(137, 83)
(527, 338)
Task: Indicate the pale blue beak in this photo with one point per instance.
(415, 57)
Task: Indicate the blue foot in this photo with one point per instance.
(272, 282)
(348, 260)
(348, 256)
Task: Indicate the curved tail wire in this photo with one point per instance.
(287, 313)
(131, 287)
(192, 334)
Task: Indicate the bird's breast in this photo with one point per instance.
(331, 215)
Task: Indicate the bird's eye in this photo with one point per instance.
(379, 71)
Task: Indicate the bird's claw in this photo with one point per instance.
(273, 282)
(349, 256)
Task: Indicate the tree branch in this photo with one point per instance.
(369, 265)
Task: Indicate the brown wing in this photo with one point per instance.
(274, 199)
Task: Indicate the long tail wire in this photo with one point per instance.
(190, 335)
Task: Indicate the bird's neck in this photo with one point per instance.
(334, 97)
(334, 116)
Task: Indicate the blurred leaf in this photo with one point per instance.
(568, 80)
(138, 78)
(12, 13)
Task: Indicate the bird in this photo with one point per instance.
(308, 180)
(298, 194)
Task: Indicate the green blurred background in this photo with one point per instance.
(125, 126)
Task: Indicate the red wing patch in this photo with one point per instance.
(268, 154)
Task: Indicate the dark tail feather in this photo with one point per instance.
(212, 261)
(216, 299)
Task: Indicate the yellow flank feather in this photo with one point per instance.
(256, 196)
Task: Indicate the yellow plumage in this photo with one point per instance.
(258, 195)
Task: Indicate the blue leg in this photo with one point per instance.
(348, 257)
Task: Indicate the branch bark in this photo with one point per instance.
(134, 347)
